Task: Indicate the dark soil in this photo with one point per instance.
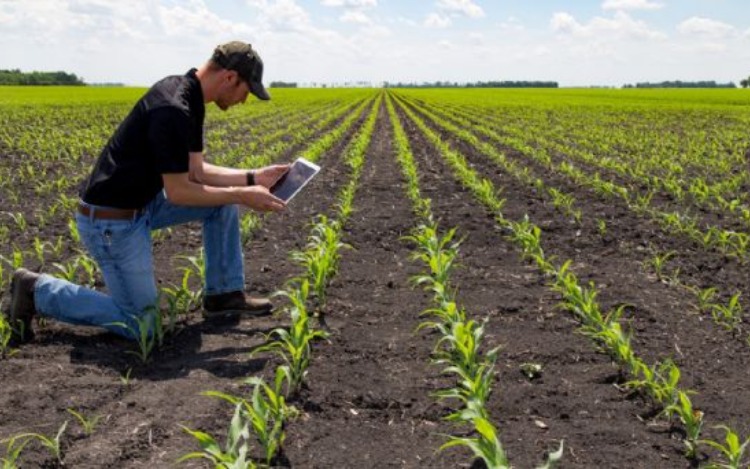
(368, 402)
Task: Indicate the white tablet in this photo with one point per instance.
(295, 179)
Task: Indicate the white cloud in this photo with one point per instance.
(349, 3)
(196, 19)
(355, 16)
(436, 20)
(465, 7)
(621, 25)
(631, 5)
(705, 27)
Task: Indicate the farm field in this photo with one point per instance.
(600, 260)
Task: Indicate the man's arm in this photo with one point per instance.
(218, 176)
(181, 190)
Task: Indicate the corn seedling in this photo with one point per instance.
(486, 446)
(249, 223)
(266, 411)
(659, 381)
(16, 259)
(658, 263)
(51, 443)
(148, 332)
(125, 378)
(20, 220)
(67, 271)
(439, 254)
(732, 450)
(88, 424)
(14, 446)
(321, 256)
(73, 230)
(690, 417)
(728, 316)
(39, 249)
(293, 345)
(89, 267)
(704, 297)
(234, 455)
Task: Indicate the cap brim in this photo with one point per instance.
(259, 91)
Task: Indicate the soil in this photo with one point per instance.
(368, 401)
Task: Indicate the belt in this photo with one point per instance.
(100, 213)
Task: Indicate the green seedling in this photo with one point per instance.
(13, 449)
(732, 450)
(51, 443)
(234, 455)
(730, 315)
(293, 345)
(88, 424)
(704, 297)
(148, 332)
(691, 418)
(266, 411)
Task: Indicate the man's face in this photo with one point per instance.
(234, 92)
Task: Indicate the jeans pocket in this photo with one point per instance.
(113, 239)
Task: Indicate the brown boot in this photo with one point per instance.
(235, 303)
(22, 309)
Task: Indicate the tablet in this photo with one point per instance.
(295, 179)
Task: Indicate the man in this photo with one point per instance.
(152, 174)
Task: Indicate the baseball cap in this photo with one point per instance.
(240, 57)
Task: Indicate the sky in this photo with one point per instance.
(576, 43)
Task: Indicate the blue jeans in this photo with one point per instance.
(122, 249)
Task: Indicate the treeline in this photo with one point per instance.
(283, 84)
(478, 84)
(17, 77)
(682, 84)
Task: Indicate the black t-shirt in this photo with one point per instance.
(155, 138)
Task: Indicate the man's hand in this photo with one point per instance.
(268, 175)
(259, 198)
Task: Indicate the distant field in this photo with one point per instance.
(604, 237)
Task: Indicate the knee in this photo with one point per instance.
(228, 212)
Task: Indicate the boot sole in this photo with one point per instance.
(238, 313)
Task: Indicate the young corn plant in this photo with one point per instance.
(90, 268)
(249, 223)
(459, 349)
(321, 257)
(293, 346)
(88, 424)
(439, 254)
(149, 332)
(51, 443)
(6, 335)
(14, 446)
(234, 455)
(728, 316)
(67, 271)
(660, 381)
(732, 450)
(266, 411)
(487, 446)
(691, 418)
(704, 297)
(658, 263)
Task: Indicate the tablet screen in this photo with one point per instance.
(295, 179)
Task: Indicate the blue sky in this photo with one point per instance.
(577, 43)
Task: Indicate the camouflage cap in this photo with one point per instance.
(240, 57)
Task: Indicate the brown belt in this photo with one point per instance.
(98, 213)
